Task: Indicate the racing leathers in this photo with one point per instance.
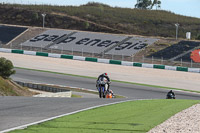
(103, 79)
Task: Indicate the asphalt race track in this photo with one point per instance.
(127, 90)
(17, 111)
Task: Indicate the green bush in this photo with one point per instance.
(153, 50)
(6, 68)
(35, 16)
(87, 25)
(198, 37)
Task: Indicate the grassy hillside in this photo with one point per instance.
(9, 88)
(101, 18)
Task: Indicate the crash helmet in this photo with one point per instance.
(105, 74)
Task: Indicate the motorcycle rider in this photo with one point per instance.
(101, 78)
(170, 92)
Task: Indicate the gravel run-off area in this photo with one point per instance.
(186, 121)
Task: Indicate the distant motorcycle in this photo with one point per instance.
(170, 96)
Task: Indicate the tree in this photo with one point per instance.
(198, 37)
(148, 4)
(156, 3)
(6, 68)
(159, 4)
(35, 16)
(87, 25)
(143, 4)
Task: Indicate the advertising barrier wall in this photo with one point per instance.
(107, 61)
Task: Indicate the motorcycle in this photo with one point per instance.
(170, 96)
(102, 88)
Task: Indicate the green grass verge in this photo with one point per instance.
(76, 96)
(155, 86)
(134, 116)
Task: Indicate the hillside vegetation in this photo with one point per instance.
(101, 18)
(9, 88)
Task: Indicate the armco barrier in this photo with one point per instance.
(116, 62)
(18, 51)
(29, 52)
(54, 55)
(126, 63)
(195, 70)
(173, 68)
(147, 65)
(5, 50)
(137, 64)
(41, 54)
(57, 92)
(42, 87)
(159, 66)
(67, 56)
(81, 58)
(91, 59)
(103, 61)
(107, 61)
(185, 69)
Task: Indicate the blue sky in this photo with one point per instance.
(182, 7)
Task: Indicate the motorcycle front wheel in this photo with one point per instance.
(101, 94)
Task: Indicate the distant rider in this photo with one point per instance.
(101, 78)
(169, 93)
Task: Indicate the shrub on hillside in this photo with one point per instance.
(95, 4)
(198, 37)
(6, 68)
(114, 19)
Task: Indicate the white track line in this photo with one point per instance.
(30, 124)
